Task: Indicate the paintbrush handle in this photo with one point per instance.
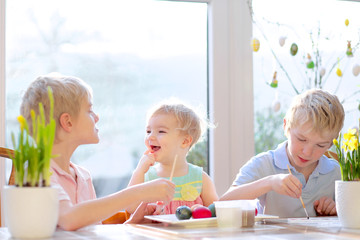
(301, 200)
(173, 168)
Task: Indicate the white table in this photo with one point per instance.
(300, 228)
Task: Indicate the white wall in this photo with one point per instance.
(231, 89)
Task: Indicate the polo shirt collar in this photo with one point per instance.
(60, 171)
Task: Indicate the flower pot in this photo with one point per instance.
(347, 195)
(30, 212)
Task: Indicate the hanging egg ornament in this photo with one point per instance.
(310, 63)
(255, 43)
(356, 69)
(293, 49)
(349, 49)
(346, 22)
(322, 71)
(276, 105)
(274, 81)
(282, 41)
(339, 72)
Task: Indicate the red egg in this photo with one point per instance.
(201, 212)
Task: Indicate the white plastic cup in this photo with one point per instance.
(248, 213)
(229, 214)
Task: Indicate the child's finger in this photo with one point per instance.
(294, 187)
(316, 203)
(328, 206)
(333, 211)
(320, 207)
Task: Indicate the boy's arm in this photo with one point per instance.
(73, 217)
(208, 193)
(285, 184)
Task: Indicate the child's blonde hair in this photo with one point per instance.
(318, 107)
(188, 118)
(68, 91)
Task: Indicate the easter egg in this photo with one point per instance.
(338, 72)
(193, 207)
(310, 64)
(346, 22)
(201, 212)
(282, 41)
(322, 71)
(183, 213)
(274, 84)
(294, 49)
(211, 207)
(255, 44)
(356, 69)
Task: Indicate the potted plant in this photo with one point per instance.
(347, 191)
(31, 206)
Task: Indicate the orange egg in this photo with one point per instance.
(193, 207)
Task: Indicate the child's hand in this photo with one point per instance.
(286, 184)
(158, 190)
(147, 160)
(325, 206)
(142, 210)
(160, 205)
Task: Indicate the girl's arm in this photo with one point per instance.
(208, 193)
(73, 217)
(147, 160)
(285, 184)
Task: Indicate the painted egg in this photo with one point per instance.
(346, 22)
(276, 105)
(338, 72)
(322, 71)
(293, 49)
(255, 44)
(274, 84)
(282, 41)
(310, 64)
(356, 70)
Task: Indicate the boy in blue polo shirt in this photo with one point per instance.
(314, 119)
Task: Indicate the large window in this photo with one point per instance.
(133, 54)
(229, 69)
(323, 32)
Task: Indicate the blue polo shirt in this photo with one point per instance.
(321, 182)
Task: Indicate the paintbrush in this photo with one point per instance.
(171, 176)
(173, 168)
(302, 202)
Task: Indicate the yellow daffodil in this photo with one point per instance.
(353, 144)
(349, 157)
(21, 120)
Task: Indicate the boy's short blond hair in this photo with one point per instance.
(69, 93)
(318, 107)
(188, 118)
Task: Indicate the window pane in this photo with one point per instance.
(317, 28)
(133, 53)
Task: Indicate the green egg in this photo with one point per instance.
(212, 209)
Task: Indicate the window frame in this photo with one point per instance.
(230, 78)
